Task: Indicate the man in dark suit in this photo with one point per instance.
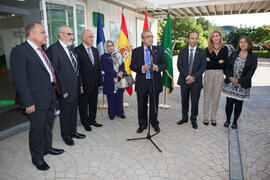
(148, 79)
(191, 64)
(35, 81)
(63, 56)
(90, 71)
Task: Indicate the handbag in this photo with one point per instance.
(126, 81)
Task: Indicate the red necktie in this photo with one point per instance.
(51, 69)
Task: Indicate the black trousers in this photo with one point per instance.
(235, 104)
(88, 100)
(40, 134)
(142, 100)
(195, 96)
(68, 118)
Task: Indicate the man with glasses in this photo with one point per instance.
(90, 71)
(64, 57)
(148, 61)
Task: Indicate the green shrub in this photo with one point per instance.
(175, 52)
(262, 54)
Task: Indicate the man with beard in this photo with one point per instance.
(63, 56)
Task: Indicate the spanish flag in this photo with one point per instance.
(124, 50)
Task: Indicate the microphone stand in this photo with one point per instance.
(149, 136)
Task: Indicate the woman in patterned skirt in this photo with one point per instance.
(242, 65)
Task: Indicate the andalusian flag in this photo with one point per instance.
(167, 47)
(124, 50)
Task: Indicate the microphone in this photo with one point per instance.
(150, 48)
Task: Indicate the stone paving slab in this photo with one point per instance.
(106, 154)
(187, 153)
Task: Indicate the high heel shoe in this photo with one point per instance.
(234, 126)
(226, 124)
(205, 122)
(213, 122)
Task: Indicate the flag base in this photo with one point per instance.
(164, 106)
(126, 105)
(103, 106)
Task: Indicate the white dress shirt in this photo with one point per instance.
(35, 47)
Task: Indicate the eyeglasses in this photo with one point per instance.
(69, 34)
(149, 36)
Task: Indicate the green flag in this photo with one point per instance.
(167, 47)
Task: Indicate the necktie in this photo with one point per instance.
(147, 60)
(51, 69)
(190, 61)
(74, 63)
(91, 56)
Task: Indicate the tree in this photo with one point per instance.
(235, 34)
(180, 28)
(261, 35)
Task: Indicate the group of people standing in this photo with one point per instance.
(74, 76)
(214, 62)
(39, 76)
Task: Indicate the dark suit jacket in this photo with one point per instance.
(30, 77)
(110, 73)
(62, 63)
(198, 68)
(90, 75)
(248, 71)
(137, 61)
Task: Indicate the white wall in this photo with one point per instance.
(112, 13)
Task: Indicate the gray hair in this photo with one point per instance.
(142, 35)
(61, 29)
(30, 27)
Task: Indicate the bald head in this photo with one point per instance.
(65, 35)
(36, 33)
(87, 37)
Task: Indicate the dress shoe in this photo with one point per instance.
(96, 124)
(69, 142)
(140, 129)
(78, 135)
(88, 128)
(205, 122)
(122, 116)
(55, 151)
(157, 129)
(194, 125)
(41, 165)
(226, 124)
(213, 122)
(182, 122)
(234, 126)
(111, 117)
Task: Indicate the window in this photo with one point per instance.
(72, 15)
(80, 22)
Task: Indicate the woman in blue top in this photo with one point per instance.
(113, 66)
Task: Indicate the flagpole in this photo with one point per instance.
(125, 104)
(164, 105)
(103, 105)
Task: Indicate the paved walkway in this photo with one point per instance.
(187, 153)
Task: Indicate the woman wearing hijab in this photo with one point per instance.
(113, 66)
